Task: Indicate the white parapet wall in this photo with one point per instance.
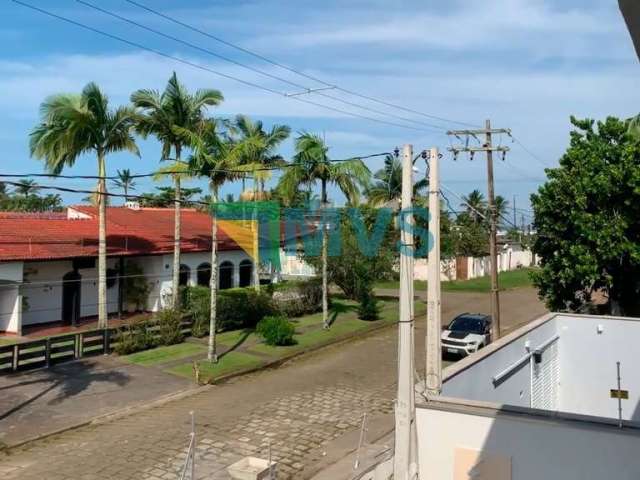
(467, 442)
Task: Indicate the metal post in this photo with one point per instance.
(193, 446)
(403, 412)
(361, 440)
(433, 377)
(619, 396)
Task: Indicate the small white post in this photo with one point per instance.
(433, 376)
(403, 468)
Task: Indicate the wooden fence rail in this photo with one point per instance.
(51, 351)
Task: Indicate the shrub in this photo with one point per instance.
(134, 338)
(368, 309)
(276, 331)
(237, 308)
(136, 287)
(196, 301)
(169, 326)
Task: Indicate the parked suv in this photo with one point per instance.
(467, 333)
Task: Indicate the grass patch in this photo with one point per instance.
(507, 280)
(160, 355)
(7, 341)
(231, 362)
(231, 338)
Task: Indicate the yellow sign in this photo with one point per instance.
(622, 394)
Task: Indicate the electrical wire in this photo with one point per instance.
(290, 69)
(210, 70)
(253, 69)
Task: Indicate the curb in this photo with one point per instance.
(107, 417)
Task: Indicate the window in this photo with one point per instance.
(246, 271)
(204, 274)
(185, 274)
(225, 276)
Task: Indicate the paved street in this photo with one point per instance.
(298, 409)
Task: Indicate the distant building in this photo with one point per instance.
(541, 403)
(48, 262)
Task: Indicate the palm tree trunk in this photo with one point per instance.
(325, 241)
(175, 283)
(256, 242)
(212, 354)
(102, 244)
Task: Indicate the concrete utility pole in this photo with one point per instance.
(433, 376)
(493, 214)
(405, 465)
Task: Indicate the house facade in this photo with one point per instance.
(48, 262)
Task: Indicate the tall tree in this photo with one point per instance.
(125, 181)
(387, 185)
(311, 164)
(475, 205)
(26, 187)
(72, 125)
(213, 159)
(256, 151)
(166, 116)
(587, 221)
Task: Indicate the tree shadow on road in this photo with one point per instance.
(69, 381)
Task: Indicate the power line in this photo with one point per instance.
(253, 69)
(290, 69)
(210, 70)
(157, 173)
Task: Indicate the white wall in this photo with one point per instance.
(10, 299)
(588, 365)
(447, 269)
(43, 291)
(511, 258)
(539, 448)
(476, 381)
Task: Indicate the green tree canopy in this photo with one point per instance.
(587, 218)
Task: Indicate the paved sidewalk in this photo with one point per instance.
(43, 401)
(299, 408)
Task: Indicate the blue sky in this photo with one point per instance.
(526, 64)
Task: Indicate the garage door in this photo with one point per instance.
(545, 377)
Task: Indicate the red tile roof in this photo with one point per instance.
(129, 232)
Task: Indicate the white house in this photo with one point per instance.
(558, 398)
(48, 262)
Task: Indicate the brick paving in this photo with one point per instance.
(297, 409)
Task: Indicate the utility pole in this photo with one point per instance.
(493, 214)
(433, 375)
(404, 463)
(515, 218)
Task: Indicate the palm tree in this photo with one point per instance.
(311, 164)
(164, 115)
(125, 182)
(475, 205)
(26, 187)
(256, 149)
(73, 125)
(501, 204)
(388, 183)
(212, 158)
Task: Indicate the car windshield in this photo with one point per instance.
(467, 324)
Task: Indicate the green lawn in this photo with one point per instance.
(507, 280)
(161, 355)
(230, 362)
(249, 351)
(6, 341)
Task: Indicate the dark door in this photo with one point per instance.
(225, 275)
(246, 272)
(71, 298)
